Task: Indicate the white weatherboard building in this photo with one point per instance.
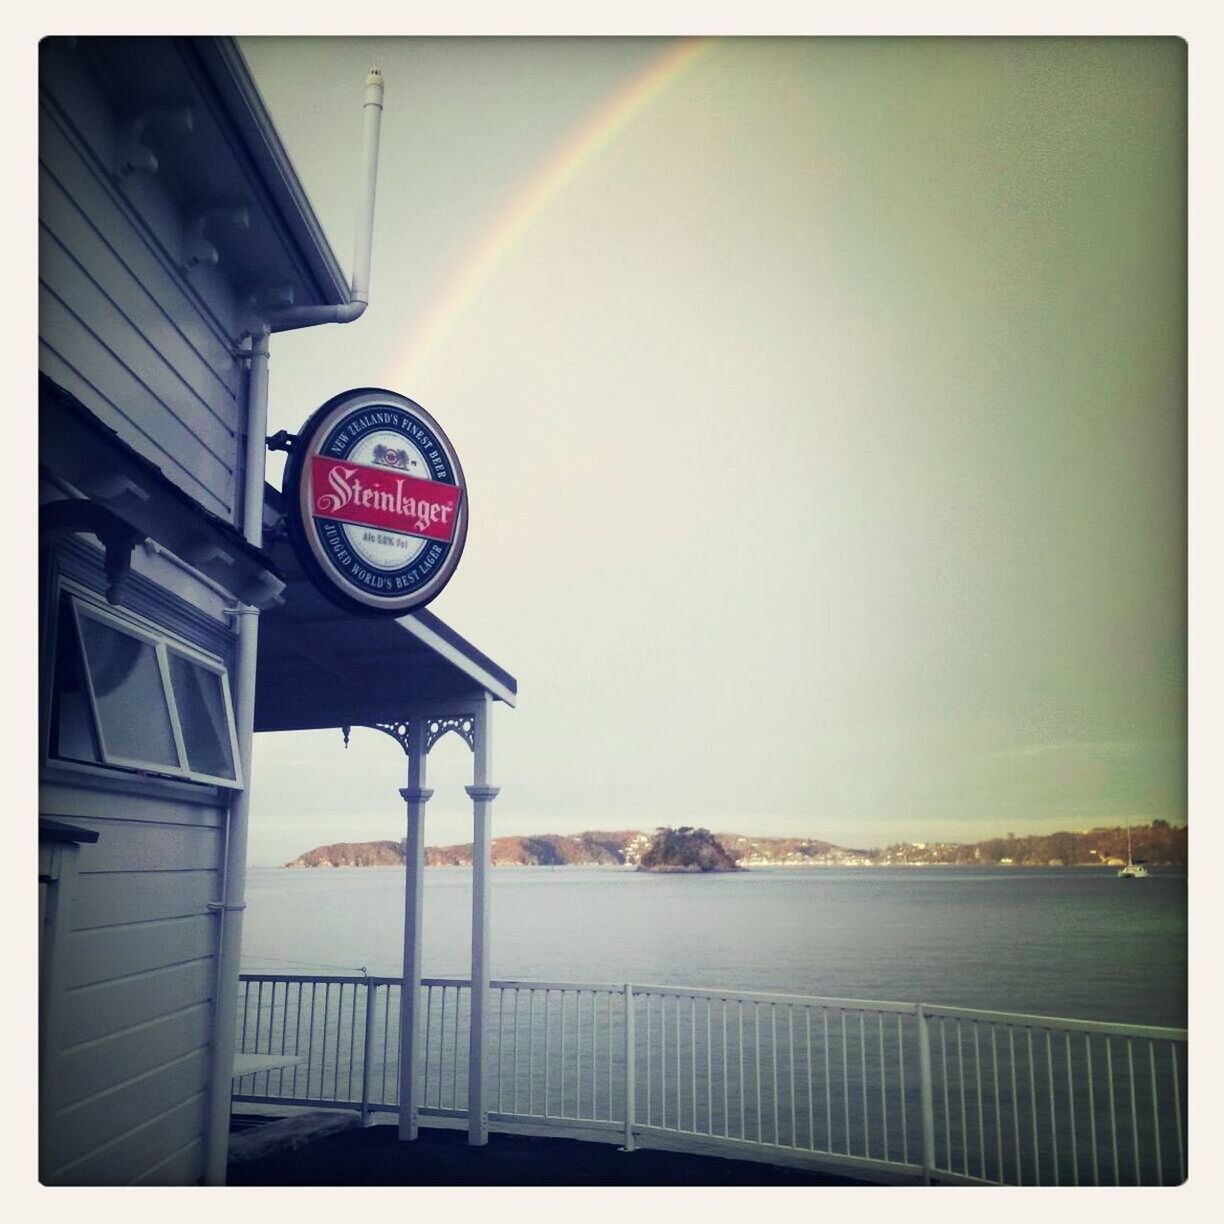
(174, 620)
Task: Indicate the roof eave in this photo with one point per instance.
(227, 69)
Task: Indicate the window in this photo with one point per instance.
(124, 695)
(202, 698)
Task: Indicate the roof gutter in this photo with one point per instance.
(359, 294)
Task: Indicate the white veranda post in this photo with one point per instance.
(417, 734)
(415, 797)
(482, 795)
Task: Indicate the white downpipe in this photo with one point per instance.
(363, 241)
(233, 889)
(233, 895)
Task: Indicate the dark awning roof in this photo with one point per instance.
(76, 447)
(320, 666)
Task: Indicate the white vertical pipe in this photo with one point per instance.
(359, 291)
(482, 796)
(415, 796)
(363, 239)
(232, 900)
(233, 886)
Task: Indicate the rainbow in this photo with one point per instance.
(579, 149)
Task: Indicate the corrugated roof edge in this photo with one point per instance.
(226, 67)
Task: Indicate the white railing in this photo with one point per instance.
(891, 1090)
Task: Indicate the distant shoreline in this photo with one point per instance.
(624, 868)
(1156, 844)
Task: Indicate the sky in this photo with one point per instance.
(822, 404)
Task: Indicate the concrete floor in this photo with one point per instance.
(373, 1156)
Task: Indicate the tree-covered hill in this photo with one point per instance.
(1158, 843)
(686, 849)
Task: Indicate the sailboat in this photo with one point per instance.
(1132, 870)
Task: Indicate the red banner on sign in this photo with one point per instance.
(375, 497)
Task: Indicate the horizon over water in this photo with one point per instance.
(1072, 942)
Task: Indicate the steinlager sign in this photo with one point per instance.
(376, 501)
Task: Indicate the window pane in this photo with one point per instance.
(72, 729)
(132, 712)
(203, 716)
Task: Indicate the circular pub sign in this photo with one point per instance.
(377, 502)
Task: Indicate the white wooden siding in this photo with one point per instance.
(123, 1003)
(99, 795)
(195, 348)
(103, 1066)
(150, 846)
(148, 349)
(113, 952)
(178, 1169)
(139, 973)
(140, 1142)
(122, 898)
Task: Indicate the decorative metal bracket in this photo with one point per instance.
(400, 732)
(463, 725)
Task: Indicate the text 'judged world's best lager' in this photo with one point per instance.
(376, 502)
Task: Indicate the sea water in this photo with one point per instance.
(1066, 942)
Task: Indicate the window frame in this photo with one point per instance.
(217, 668)
(85, 605)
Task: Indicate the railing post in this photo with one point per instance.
(368, 1053)
(630, 1069)
(927, 1096)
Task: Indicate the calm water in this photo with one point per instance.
(1061, 942)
